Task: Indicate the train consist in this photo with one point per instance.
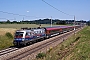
(29, 35)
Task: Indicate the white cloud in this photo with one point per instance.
(27, 11)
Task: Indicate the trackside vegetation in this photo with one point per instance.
(6, 37)
(9, 35)
(76, 47)
(6, 40)
(41, 55)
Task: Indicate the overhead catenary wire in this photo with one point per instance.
(57, 9)
(3, 18)
(6, 18)
(18, 14)
(35, 16)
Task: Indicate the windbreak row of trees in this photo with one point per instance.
(42, 21)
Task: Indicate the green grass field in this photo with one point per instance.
(5, 42)
(18, 26)
(77, 47)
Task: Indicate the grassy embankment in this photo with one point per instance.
(5, 41)
(77, 47)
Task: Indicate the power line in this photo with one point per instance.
(18, 14)
(3, 18)
(56, 8)
(6, 19)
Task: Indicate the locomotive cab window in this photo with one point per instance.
(28, 34)
(19, 34)
(40, 31)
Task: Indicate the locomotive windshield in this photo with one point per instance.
(19, 34)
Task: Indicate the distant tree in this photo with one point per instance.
(88, 23)
(54, 23)
(8, 21)
(61, 22)
(15, 22)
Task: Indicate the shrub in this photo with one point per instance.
(41, 55)
(50, 49)
(9, 35)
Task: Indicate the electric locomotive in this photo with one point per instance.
(22, 37)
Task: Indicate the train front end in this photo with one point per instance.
(19, 38)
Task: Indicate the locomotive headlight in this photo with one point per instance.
(22, 39)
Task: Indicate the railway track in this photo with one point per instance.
(8, 50)
(20, 56)
(24, 52)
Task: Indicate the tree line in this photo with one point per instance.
(42, 21)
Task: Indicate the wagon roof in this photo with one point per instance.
(56, 27)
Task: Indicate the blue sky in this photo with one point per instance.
(39, 10)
